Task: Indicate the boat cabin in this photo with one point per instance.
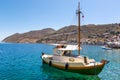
(65, 50)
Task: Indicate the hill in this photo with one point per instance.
(93, 34)
(90, 34)
(29, 37)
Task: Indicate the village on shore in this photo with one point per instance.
(95, 40)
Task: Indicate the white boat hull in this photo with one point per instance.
(77, 67)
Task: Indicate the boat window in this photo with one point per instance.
(67, 53)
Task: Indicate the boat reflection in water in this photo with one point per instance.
(52, 73)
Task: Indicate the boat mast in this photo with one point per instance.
(78, 13)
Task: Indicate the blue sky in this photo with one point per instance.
(19, 16)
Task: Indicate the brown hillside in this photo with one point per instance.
(68, 34)
(31, 36)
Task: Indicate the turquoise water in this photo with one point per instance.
(23, 62)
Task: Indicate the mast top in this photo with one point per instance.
(78, 6)
(78, 11)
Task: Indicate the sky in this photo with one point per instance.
(19, 16)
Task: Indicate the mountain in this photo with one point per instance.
(29, 37)
(93, 34)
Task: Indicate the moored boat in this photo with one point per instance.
(113, 45)
(64, 59)
(106, 48)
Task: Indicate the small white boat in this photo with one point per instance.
(114, 45)
(106, 48)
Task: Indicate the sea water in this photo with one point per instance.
(23, 62)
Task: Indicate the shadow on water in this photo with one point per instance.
(55, 74)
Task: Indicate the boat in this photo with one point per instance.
(113, 42)
(106, 47)
(64, 59)
(113, 45)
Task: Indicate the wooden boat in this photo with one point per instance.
(64, 59)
